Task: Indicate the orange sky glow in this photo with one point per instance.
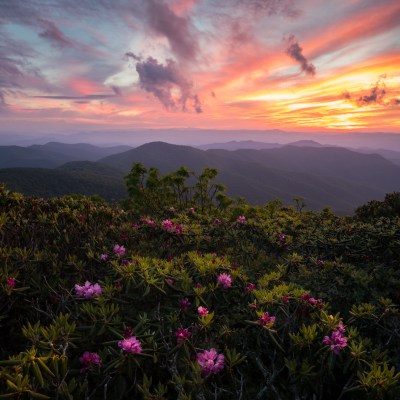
(307, 65)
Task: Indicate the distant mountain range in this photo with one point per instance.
(53, 154)
(325, 176)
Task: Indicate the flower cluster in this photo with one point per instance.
(11, 282)
(171, 227)
(88, 290)
(224, 280)
(250, 287)
(306, 297)
(119, 250)
(203, 311)
(104, 257)
(210, 362)
(89, 360)
(241, 219)
(267, 320)
(337, 341)
(182, 335)
(184, 304)
(130, 345)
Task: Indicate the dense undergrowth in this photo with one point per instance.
(196, 302)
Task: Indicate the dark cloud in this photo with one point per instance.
(163, 81)
(129, 54)
(296, 52)
(375, 96)
(54, 35)
(87, 97)
(273, 7)
(116, 90)
(178, 30)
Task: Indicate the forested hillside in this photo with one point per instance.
(187, 294)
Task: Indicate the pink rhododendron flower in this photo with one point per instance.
(167, 225)
(224, 280)
(250, 287)
(337, 341)
(241, 219)
(104, 257)
(182, 335)
(130, 345)
(170, 281)
(88, 290)
(281, 238)
(11, 282)
(203, 311)
(210, 362)
(184, 304)
(89, 360)
(171, 209)
(191, 209)
(285, 299)
(267, 320)
(198, 285)
(119, 250)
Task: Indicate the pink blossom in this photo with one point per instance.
(171, 209)
(104, 257)
(178, 229)
(182, 335)
(167, 225)
(281, 238)
(267, 320)
(250, 287)
(88, 290)
(337, 341)
(198, 285)
(89, 360)
(224, 280)
(203, 311)
(191, 209)
(184, 304)
(130, 345)
(319, 263)
(170, 281)
(119, 250)
(253, 305)
(241, 219)
(285, 299)
(11, 282)
(210, 362)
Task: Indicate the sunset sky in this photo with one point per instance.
(301, 65)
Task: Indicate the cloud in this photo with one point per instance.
(177, 29)
(273, 7)
(375, 96)
(87, 97)
(116, 90)
(54, 35)
(296, 52)
(168, 84)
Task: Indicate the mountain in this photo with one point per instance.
(251, 144)
(323, 176)
(46, 183)
(91, 167)
(367, 169)
(236, 145)
(53, 154)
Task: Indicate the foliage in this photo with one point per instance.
(278, 290)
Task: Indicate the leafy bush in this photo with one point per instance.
(233, 302)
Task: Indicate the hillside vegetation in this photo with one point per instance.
(186, 294)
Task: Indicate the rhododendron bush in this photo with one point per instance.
(241, 303)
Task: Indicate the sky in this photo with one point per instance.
(293, 65)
